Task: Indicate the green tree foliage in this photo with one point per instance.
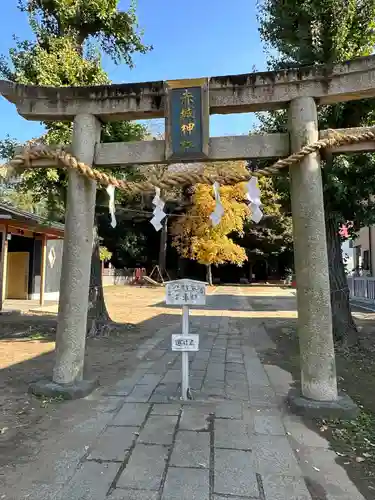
(100, 21)
(127, 241)
(271, 239)
(69, 38)
(104, 254)
(326, 32)
(7, 147)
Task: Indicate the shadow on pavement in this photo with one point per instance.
(30, 422)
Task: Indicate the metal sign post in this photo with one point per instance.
(185, 388)
(185, 293)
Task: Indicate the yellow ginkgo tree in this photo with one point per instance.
(196, 238)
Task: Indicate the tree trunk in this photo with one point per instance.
(209, 274)
(163, 247)
(97, 315)
(181, 267)
(267, 269)
(344, 328)
(251, 265)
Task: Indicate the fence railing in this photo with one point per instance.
(117, 276)
(362, 288)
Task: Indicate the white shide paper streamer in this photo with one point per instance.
(111, 205)
(219, 209)
(253, 195)
(159, 213)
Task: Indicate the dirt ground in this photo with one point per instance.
(353, 441)
(27, 343)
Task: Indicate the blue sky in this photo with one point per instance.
(191, 38)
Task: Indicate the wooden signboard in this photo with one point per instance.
(187, 119)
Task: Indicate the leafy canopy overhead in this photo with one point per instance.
(326, 32)
(114, 31)
(69, 37)
(317, 32)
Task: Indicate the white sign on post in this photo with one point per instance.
(188, 343)
(185, 293)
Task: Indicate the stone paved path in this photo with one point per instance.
(235, 441)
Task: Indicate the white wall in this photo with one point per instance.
(363, 240)
(348, 256)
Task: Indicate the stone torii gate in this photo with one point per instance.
(186, 105)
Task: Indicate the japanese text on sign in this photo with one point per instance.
(187, 118)
(185, 111)
(185, 342)
(185, 293)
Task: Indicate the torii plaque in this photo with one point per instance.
(187, 119)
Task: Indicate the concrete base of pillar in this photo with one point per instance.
(344, 407)
(50, 389)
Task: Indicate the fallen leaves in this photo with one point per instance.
(353, 439)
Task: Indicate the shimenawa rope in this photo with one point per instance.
(173, 179)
